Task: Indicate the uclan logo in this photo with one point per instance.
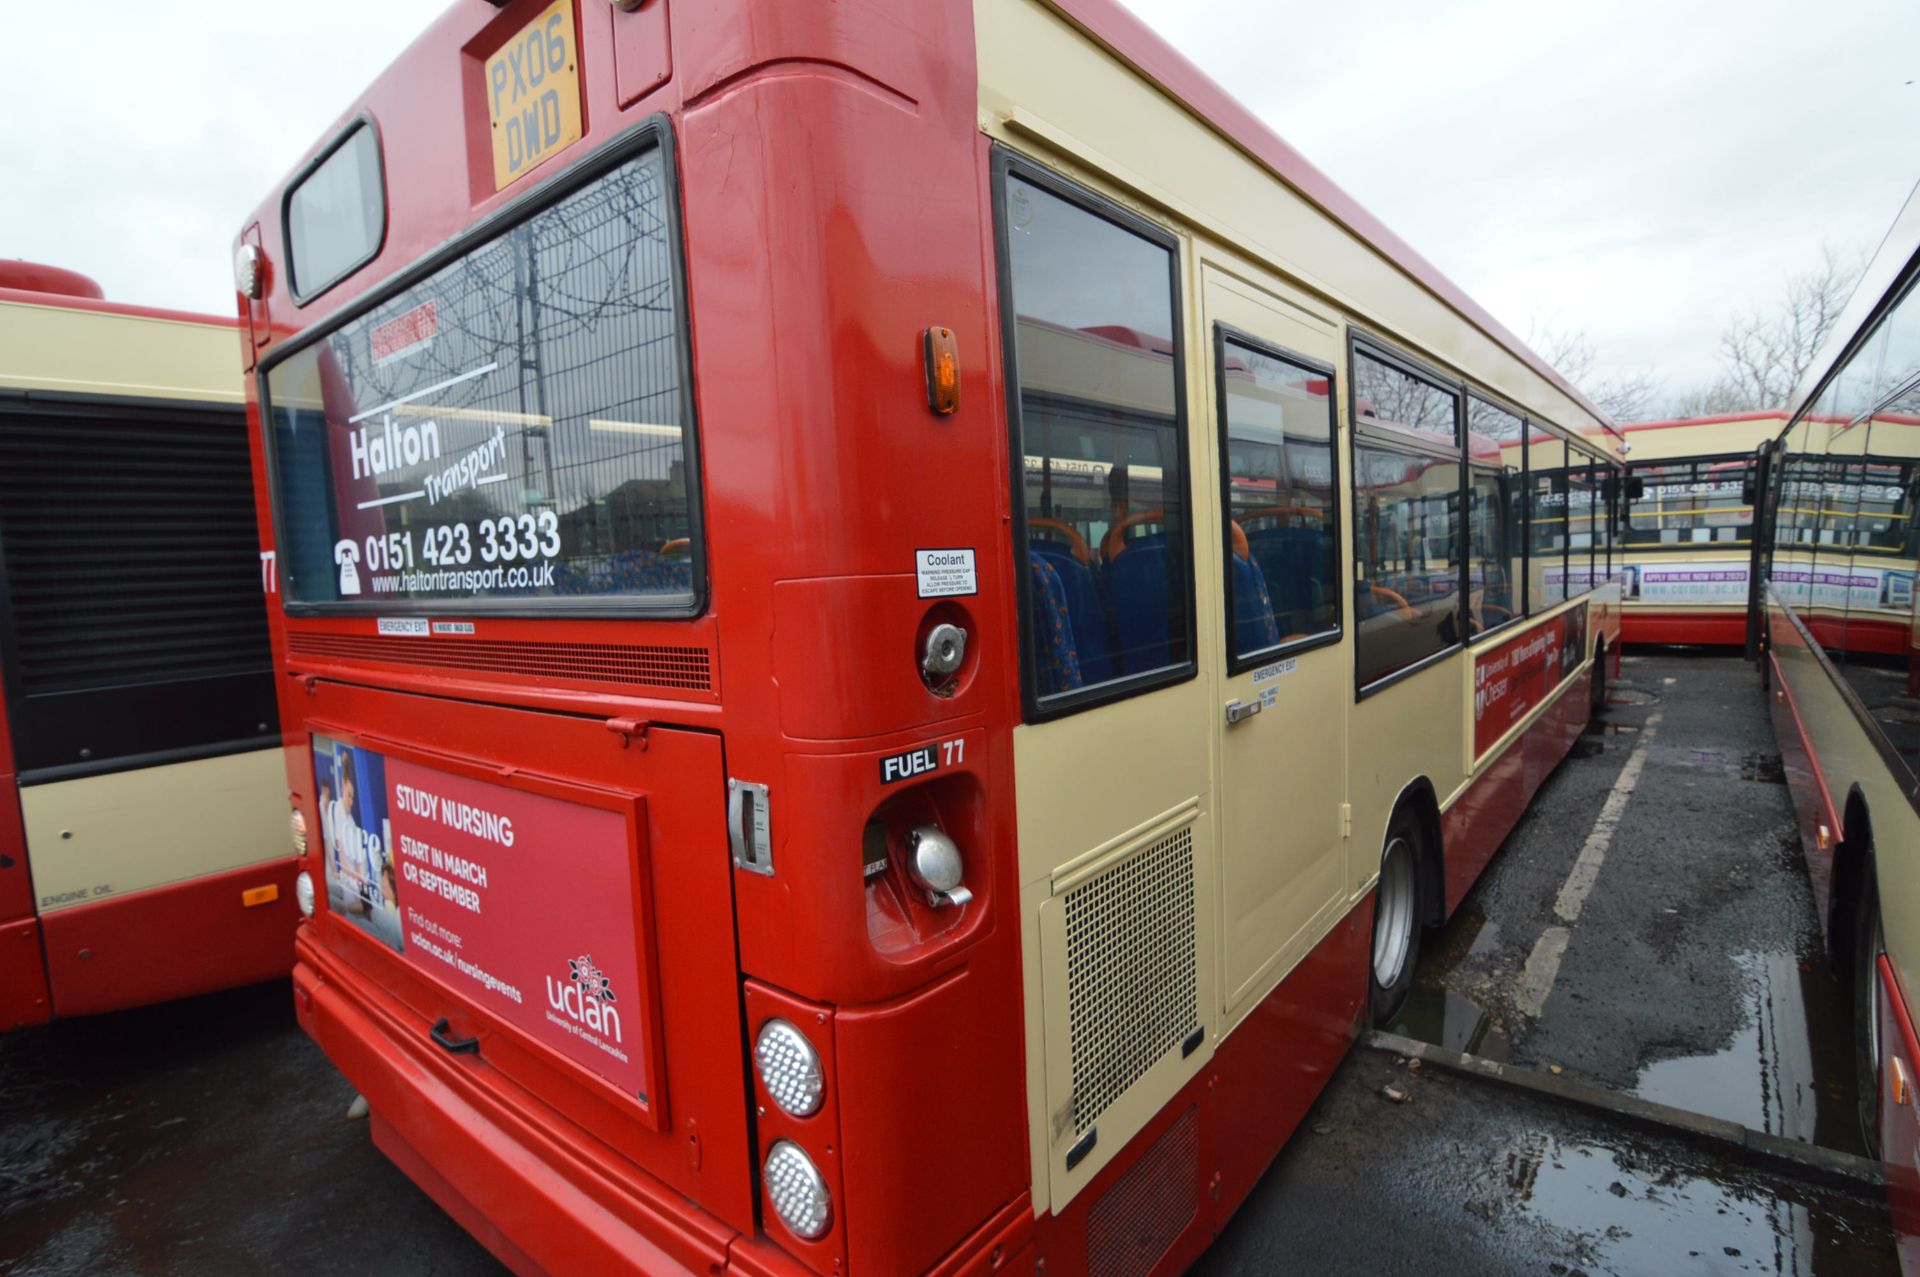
(585, 997)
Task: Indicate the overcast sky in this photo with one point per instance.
(1636, 169)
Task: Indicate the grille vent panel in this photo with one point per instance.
(132, 555)
(650, 665)
(1132, 984)
(1132, 1227)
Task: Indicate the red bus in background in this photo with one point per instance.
(142, 813)
(856, 668)
(1687, 539)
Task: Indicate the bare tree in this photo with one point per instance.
(1766, 351)
(1623, 396)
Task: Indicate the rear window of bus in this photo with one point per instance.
(510, 432)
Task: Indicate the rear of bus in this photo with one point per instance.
(559, 380)
(1688, 536)
(143, 843)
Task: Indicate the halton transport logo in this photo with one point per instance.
(586, 997)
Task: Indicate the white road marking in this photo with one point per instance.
(1543, 964)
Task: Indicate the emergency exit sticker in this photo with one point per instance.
(945, 574)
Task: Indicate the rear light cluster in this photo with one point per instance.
(790, 1068)
(303, 882)
(796, 1190)
(794, 1077)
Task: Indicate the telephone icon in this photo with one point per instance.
(347, 555)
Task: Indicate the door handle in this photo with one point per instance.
(442, 1034)
(1241, 711)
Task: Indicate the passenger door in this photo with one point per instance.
(1285, 675)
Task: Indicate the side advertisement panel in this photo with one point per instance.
(1513, 678)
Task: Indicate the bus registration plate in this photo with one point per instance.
(533, 94)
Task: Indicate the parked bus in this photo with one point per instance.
(1842, 662)
(1688, 534)
(143, 824)
(877, 618)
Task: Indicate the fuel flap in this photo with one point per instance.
(552, 900)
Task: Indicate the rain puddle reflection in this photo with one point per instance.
(1787, 1069)
(1445, 1018)
(1636, 1210)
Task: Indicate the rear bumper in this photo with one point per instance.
(1706, 627)
(542, 1195)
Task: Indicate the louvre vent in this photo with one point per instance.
(1132, 987)
(654, 665)
(131, 551)
(1133, 1226)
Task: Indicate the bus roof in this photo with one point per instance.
(1135, 43)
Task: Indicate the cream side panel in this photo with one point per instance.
(1282, 880)
(1065, 817)
(90, 352)
(104, 836)
(1848, 758)
(1717, 439)
(1049, 91)
(1410, 729)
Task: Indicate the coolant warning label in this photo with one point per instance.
(945, 574)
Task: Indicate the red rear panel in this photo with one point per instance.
(561, 900)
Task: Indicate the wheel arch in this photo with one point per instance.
(1417, 798)
(1851, 856)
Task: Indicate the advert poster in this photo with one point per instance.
(1515, 677)
(1705, 583)
(522, 903)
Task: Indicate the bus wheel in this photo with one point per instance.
(1396, 920)
(1868, 942)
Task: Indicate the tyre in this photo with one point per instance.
(1867, 946)
(1396, 920)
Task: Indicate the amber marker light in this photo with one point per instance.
(943, 371)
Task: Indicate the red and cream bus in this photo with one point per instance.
(878, 614)
(1837, 563)
(1687, 539)
(142, 806)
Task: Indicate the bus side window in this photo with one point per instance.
(1496, 444)
(1281, 525)
(1105, 548)
(1407, 524)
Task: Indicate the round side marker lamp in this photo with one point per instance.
(303, 892)
(790, 1068)
(798, 1194)
(249, 273)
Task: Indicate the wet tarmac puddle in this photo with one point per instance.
(1740, 764)
(1636, 1209)
(1787, 1070)
(1453, 1021)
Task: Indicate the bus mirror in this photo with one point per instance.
(1636, 487)
(1748, 491)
